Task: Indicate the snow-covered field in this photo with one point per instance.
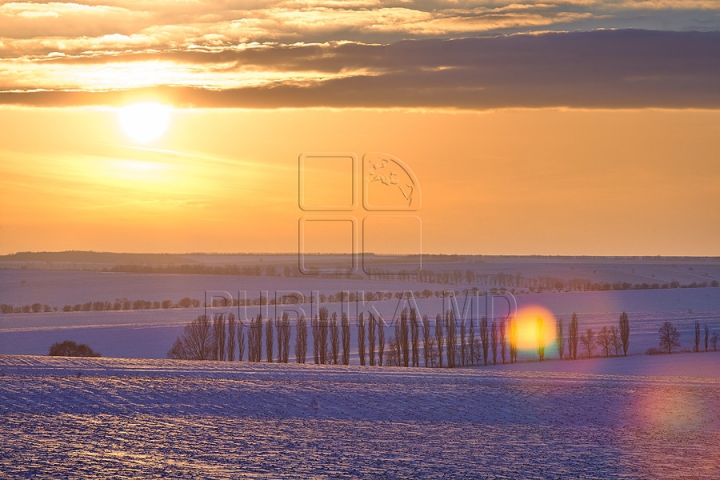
(122, 418)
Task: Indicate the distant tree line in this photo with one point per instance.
(99, 306)
(34, 308)
(471, 277)
(501, 282)
(187, 302)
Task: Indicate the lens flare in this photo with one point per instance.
(535, 327)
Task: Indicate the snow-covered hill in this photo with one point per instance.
(139, 418)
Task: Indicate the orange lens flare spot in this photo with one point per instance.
(535, 326)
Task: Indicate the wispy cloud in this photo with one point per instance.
(40, 29)
(29, 28)
(277, 53)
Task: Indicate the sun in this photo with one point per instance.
(144, 122)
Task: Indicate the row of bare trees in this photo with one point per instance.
(708, 338)
(670, 339)
(331, 340)
(612, 341)
(438, 345)
(221, 339)
(445, 342)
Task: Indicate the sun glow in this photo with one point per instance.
(530, 331)
(144, 122)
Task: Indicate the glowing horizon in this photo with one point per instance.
(213, 173)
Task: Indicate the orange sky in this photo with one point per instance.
(525, 127)
(544, 181)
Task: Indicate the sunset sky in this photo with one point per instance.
(568, 128)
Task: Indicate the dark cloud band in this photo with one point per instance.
(600, 69)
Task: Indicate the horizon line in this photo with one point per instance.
(500, 255)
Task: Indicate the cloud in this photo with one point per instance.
(24, 20)
(601, 69)
(114, 30)
(117, 26)
(275, 53)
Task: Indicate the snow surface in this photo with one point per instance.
(64, 417)
(703, 365)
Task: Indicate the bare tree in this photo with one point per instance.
(323, 326)
(615, 340)
(301, 339)
(345, 339)
(588, 341)
(361, 338)
(669, 337)
(196, 342)
(707, 334)
(68, 348)
(494, 334)
(463, 343)
(255, 340)
(399, 326)
(484, 338)
(512, 327)
(269, 340)
(426, 341)
(258, 338)
(280, 330)
(398, 347)
(334, 339)
(573, 336)
(471, 343)
(560, 337)
(604, 340)
(283, 334)
(696, 348)
(439, 338)
(381, 341)
(450, 339)
(540, 336)
(624, 332)
(433, 354)
(251, 341)
(287, 336)
(231, 325)
(392, 357)
(315, 326)
(177, 351)
(241, 341)
(503, 340)
(404, 340)
(219, 337)
(714, 341)
(372, 329)
(398, 344)
(414, 337)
